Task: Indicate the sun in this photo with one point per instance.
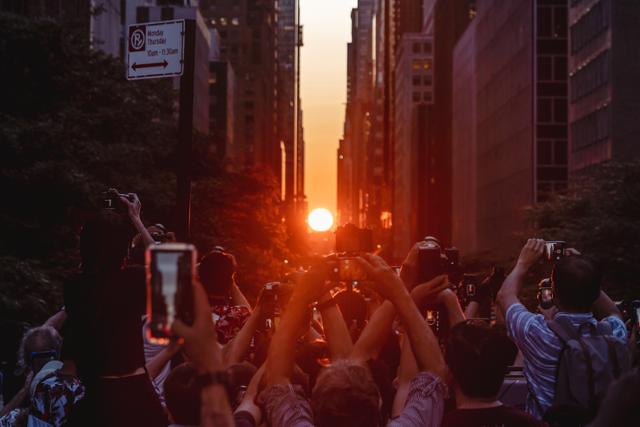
(320, 219)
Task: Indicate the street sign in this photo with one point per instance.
(155, 49)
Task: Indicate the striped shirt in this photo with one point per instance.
(541, 349)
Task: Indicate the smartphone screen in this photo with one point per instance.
(170, 271)
(350, 270)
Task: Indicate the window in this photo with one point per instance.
(427, 96)
(591, 129)
(417, 81)
(416, 96)
(223, 21)
(427, 47)
(426, 65)
(595, 74)
(590, 25)
(417, 64)
(427, 80)
(235, 21)
(416, 47)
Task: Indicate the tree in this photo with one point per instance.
(71, 126)
(599, 216)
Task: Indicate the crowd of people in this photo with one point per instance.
(324, 354)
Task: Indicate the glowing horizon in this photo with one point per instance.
(327, 30)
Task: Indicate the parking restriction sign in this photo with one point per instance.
(155, 49)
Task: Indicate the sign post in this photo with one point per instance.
(167, 49)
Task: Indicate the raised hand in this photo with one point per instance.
(385, 281)
(530, 253)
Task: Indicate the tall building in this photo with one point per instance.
(248, 32)
(520, 118)
(222, 83)
(464, 165)
(604, 65)
(358, 116)
(413, 91)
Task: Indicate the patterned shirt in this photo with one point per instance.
(286, 406)
(229, 320)
(54, 397)
(541, 349)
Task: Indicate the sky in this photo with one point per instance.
(323, 88)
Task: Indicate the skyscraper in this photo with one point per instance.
(604, 65)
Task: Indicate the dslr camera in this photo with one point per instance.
(351, 242)
(434, 261)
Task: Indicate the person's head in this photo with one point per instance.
(39, 346)
(182, 395)
(576, 283)
(104, 241)
(217, 271)
(478, 357)
(345, 395)
(158, 233)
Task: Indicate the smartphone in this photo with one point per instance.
(554, 250)
(350, 270)
(170, 269)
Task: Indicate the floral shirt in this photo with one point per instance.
(54, 396)
(229, 320)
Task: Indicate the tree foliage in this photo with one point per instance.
(599, 216)
(71, 126)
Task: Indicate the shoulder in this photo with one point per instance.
(618, 328)
(518, 318)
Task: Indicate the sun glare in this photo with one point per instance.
(320, 219)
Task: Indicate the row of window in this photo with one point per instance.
(420, 97)
(552, 21)
(225, 21)
(424, 64)
(590, 25)
(594, 75)
(422, 47)
(420, 80)
(591, 129)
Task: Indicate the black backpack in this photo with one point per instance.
(586, 367)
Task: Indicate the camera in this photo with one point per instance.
(545, 294)
(434, 261)
(554, 250)
(111, 200)
(353, 240)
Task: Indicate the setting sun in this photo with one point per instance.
(320, 219)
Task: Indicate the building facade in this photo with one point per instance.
(604, 64)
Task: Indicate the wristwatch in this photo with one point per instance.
(212, 378)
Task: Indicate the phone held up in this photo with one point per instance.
(170, 269)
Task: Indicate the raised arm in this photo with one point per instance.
(508, 293)
(200, 343)
(375, 334)
(237, 297)
(280, 361)
(423, 342)
(335, 329)
(234, 350)
(134, 207)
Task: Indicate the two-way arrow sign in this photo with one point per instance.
(155, 50)
(162, 64)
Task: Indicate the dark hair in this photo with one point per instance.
(182, 395)
(216, 272)
(478, 357)
(576, 282)
(104, 241)
(345, 395)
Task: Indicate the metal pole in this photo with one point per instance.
(185, 135)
